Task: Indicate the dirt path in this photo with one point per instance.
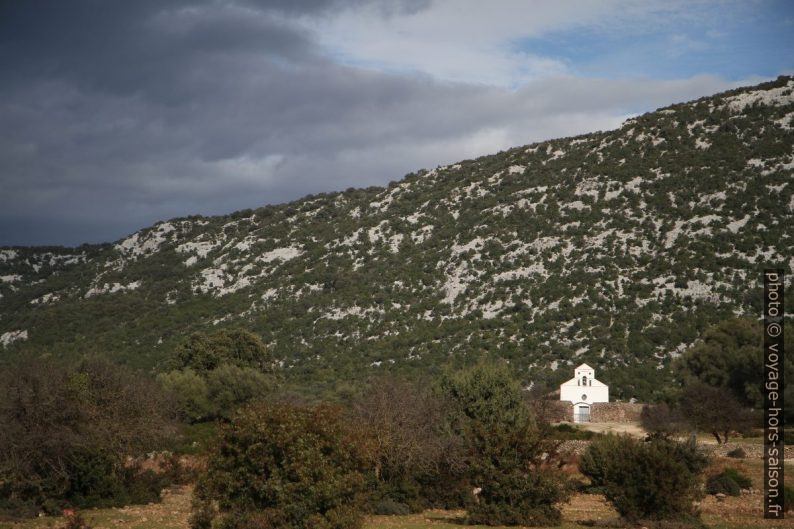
(630, 428)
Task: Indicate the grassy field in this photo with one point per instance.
(583, 511)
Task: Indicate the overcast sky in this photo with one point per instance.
(117, 114)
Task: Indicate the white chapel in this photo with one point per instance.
(582, 391)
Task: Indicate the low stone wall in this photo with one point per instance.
(752, 451)
(562, 411)
(615, 412)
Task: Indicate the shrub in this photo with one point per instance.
(519, 498)
(190, 394)
(283, 466)
(737, 453)
(391, 508)
(742, 480)
(656, 479)
(722, 484)
(74, 520)
(565, 432)
(230, 386)
(96, 479)
(448, 487)
(205, 352)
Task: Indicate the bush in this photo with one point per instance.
(566, 432)
(655, 479)
(74, 520)
(730, 481)
(722, 484)
(519, 498)
(283, 466)
(230, 386)
(190, 394)
(97, 480)
(737, 453)
(391, 508)
(205, 352)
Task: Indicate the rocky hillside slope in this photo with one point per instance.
(615, 248)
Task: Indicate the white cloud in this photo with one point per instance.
(478, 42)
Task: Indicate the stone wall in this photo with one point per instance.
(615, 412)
(560, 411)
(753, 451)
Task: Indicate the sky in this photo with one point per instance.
(117, 114)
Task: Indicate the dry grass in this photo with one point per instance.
(172, 513)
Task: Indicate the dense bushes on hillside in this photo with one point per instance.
(67, 432)
(618, 247)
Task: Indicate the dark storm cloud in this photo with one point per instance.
(114, 115)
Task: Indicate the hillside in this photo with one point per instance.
(614, 248)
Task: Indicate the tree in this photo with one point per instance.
(662, 419)
(417, 462)
(67, 431)
(230, 386)
(505, 447)
(206, 351)
(713, 410)
(409, 446)
(729, 355)
(216, 373)
(283, 466)
(190, 394)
